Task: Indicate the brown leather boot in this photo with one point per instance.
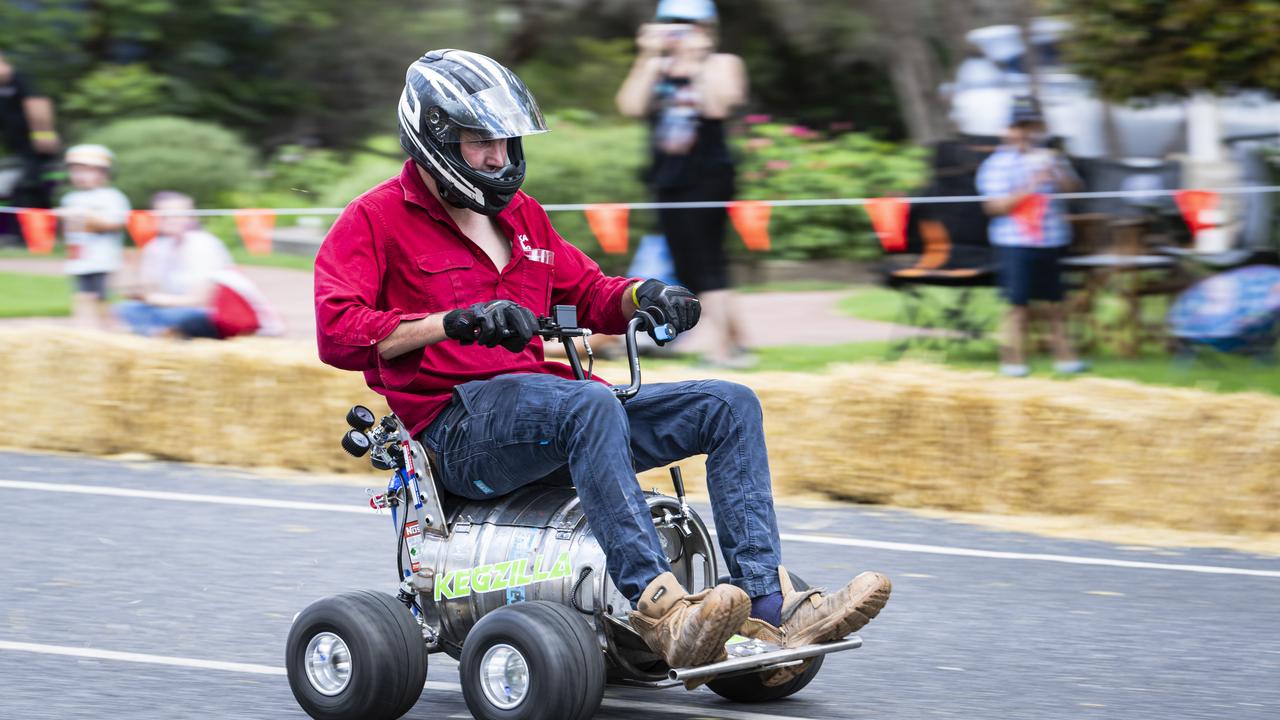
(688, 630)
(812, 616)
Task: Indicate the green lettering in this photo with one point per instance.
(443, 588)
(541, 573)
(521, 576)
(462, 583)
(502, 576)
(480, 578)
(562, 568)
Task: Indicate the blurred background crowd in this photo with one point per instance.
(288, 105)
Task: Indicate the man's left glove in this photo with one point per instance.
(493, 323)
(679, 306)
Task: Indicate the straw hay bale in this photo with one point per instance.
(916, 435)
(247, 402)
(904, 434)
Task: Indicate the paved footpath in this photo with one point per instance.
(775, 319)
(157, 590)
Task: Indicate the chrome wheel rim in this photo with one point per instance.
(328, 664)
(504, 676)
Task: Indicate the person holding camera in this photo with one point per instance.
(687, 90)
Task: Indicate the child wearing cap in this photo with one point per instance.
(93, 219)
(1019, 169)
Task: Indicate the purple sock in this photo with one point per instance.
(768, 608)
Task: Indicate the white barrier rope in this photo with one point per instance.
(814, 202)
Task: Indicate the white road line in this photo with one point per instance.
(1001, 555)
(790, 537)
(184, 497)
(251, 668)
(96, 654)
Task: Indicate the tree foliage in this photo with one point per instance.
(1142, 48)
(168, 153)
(327, 72)
(276, 70)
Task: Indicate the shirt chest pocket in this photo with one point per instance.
(533, 289)
(444, 281)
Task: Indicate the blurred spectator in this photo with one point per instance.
(686, 90)
(26, 132)
(1020, 168)
(93, 218)
(176, 273)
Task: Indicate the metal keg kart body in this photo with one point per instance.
(516, 589)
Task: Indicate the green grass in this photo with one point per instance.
(292, 262)
(10, 253)
(24, 295)
(1217, 373)
(1230, 374)
(885, 305)
(794, 286)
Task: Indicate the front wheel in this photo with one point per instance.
(356, 655)
(532, 660)
(750, 688)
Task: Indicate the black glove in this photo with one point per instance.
(679, 306)
(493, 323)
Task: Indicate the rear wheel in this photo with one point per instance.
(532, 661)
(750, 688)
(356, 655)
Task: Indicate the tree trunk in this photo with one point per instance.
(914, 67)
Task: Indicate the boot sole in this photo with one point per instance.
(865, 606)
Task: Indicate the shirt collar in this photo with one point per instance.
(417, 192)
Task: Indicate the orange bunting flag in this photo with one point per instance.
(609, 223)
(39, 229)
(889, 218)
(1192, 203)
(255, 228)
(751, 220)
(1030, 214)
(142, 227)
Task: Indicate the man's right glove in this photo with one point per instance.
(679, 306)
(493, 323)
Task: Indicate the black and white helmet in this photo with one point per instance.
(447, 92)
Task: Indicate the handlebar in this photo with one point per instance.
(563, 326)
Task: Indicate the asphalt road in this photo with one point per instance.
(129, 605)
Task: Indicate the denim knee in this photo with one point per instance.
(739, 398)
(592, 402)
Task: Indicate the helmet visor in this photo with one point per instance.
(498, 112)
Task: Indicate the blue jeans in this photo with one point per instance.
(501, 434)
(151, 320)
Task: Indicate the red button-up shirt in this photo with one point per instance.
(395, 255)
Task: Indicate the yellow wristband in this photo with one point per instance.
(44, 135)
(634, 288)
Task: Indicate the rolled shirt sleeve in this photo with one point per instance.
(348, 279)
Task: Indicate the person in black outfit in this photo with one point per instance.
(686, 91)
(26, 131)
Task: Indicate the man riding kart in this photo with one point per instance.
(431, 284)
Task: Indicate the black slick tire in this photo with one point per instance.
(566, 671)
(388, 658)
